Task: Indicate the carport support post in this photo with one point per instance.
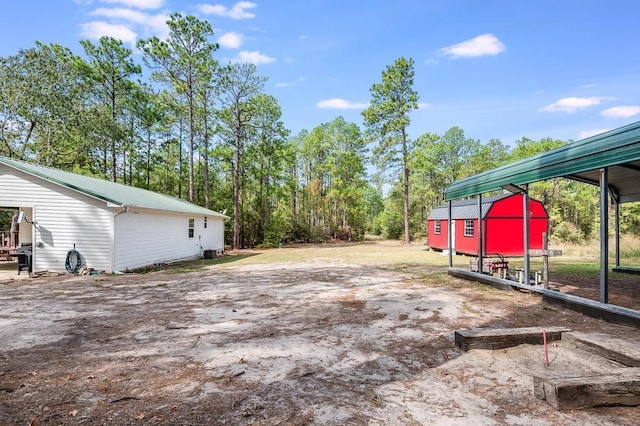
(525, 223)
(616, 206)
(480, 257)
(604, 235)
(449, 237)
(545, 260)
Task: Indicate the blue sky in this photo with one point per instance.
(498, 69)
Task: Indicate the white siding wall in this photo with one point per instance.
(63, 218)
(146, 237)
(215, 234)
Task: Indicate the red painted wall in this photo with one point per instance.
(438, 241)
(464, 244)
(504, 226)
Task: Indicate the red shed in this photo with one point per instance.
(502, 225)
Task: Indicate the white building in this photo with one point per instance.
(114, 227)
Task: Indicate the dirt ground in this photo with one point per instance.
(289, 343)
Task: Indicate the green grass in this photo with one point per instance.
(378, 253)
(394, 255)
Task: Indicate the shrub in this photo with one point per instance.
(567, 232)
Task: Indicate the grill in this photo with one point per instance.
(23, 254)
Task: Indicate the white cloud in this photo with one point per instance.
(254, 57)
(134, 20)
(587, 133)
(231, 40)
(422, 105)
(337, 103)
(290, 83)
(157, 25)
(140, 4)
(573, 104)
(120, 13)
(96, 29)
(238, 11)
(623, 111)
(482, 45)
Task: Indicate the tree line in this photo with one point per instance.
(183, 124)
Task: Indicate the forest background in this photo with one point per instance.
(182, 124)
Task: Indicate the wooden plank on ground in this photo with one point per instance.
(624, 351)
(619, 388)
(500, 338)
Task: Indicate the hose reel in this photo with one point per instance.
(73, 262)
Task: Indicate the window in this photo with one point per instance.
(205, 222)
(436, 227)
(468, 228)
(192, 225)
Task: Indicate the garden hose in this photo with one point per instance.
(73, 261)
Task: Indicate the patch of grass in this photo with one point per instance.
(574, 268)
(378, 253)
(468, 308)
(202, 264)
(630, 249)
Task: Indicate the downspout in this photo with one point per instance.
(113, 239)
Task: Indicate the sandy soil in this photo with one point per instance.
(290, 343)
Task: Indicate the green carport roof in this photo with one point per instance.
(618, 150)
(113, 193)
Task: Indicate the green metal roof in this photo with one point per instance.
(618, 150)
(110, 192)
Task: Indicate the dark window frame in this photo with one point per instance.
(469, 227)
(192, 227)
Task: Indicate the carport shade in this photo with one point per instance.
(618, 150)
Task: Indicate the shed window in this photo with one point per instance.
(436, 227)
(192, 225)
(468, 228)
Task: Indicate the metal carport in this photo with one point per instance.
(610, 160)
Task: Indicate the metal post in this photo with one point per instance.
(525, 219)
(449, 236)
(480, 257)
(616, 205)
(545, 260)
(604, 235)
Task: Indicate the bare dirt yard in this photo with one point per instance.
(327, 335)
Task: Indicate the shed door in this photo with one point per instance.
(453, 234)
